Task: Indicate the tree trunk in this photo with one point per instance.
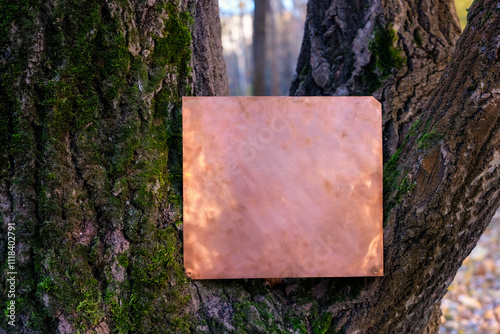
(274, 45)
(90, 171)
(260, 23)
(91, 159)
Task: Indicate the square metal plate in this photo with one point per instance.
(282, 187)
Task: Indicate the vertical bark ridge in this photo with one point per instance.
(209, 73)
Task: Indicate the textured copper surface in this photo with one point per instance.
(282, 187)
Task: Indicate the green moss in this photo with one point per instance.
(306, 70)
(486, 17)
(392, 171)
(386, 57)
(46, 284)
(323, 324)
(119, 312)
(297, 324)
(89, 307)
(173, 48)
(71, 286)
(94, 251)
(17, 138)
(155, 271)
(126, 158)
(311, 311)
(255, 316)
(393, 180)
(429, 137)
(123, 260)
(405, 187)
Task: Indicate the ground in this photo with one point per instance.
(472, 304)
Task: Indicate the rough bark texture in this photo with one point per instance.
(90, 167)
(209, 68)
(91, 158)
(393, 50)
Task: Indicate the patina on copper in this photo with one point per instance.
(282, 187)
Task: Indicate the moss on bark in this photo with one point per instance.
(386, 57)
(91, 130)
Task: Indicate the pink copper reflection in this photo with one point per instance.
(282, 187)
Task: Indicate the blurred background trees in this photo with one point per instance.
(280, 27)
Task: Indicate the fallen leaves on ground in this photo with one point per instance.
(472, 304)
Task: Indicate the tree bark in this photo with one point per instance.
(91, 163)
(434, 209)
(209, 70)
(393, 50)
(91, 159)
(274, 45)
(260, 23)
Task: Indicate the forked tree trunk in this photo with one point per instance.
(90, 162)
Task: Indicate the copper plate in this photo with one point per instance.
(282, 187)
